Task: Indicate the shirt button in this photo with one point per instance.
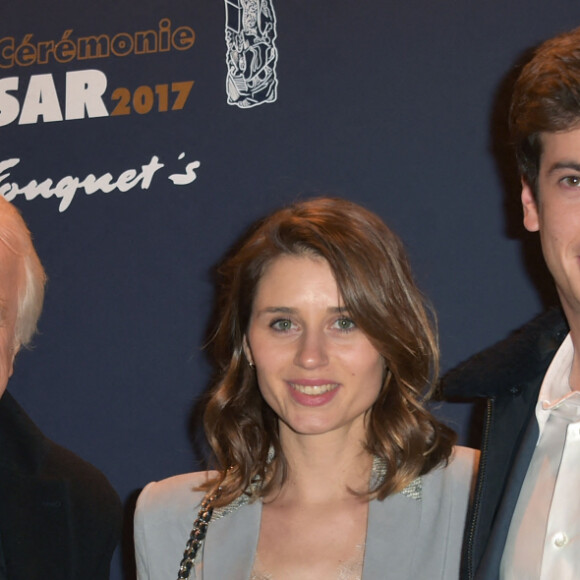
(560, 540)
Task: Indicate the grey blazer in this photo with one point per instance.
(413, 535)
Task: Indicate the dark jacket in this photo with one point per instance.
(59, 516)
(508, 376)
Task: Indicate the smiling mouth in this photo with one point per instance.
(314, 390)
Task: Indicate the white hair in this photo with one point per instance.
(16, 237)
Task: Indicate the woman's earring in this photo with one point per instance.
(247, 352)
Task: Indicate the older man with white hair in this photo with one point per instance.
(59, 516)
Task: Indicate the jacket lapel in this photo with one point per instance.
(491, 560)
(231, 544)
(393, 525)
(232, 540)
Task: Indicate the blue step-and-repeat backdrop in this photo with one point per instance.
(141, 138)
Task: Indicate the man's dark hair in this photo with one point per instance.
(546, 98)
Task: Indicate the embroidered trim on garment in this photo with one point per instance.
(414, 490)
(379, 470)
(226, 510)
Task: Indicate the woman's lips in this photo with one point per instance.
(313, 393)
(314, 389)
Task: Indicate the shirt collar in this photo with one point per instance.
(556, 386)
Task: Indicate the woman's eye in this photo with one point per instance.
(281, 325)
(345, 324)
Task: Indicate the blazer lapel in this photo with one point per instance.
(232, 541)
(393, 525)
(231, 544)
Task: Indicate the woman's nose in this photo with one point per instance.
(312, 350)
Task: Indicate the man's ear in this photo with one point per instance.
(530, 207)
(247, 351)
(15, 350)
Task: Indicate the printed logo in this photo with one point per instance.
(85, 94)
(68, 186)
(251, 56)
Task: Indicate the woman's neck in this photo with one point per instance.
(324, 468)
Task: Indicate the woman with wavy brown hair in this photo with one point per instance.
(330, 466)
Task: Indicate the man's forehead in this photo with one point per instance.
(560, 147)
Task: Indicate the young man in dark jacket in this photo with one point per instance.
(525, 520)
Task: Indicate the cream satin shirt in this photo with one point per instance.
(544, 537)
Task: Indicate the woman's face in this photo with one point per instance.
(315, 368)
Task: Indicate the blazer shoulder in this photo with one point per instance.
(174, 490)
(164, 518)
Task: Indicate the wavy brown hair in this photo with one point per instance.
(374, 279)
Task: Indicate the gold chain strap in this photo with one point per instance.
(197, 535)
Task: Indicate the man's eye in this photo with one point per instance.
(571, 180)
(345, 324)
(281, 325)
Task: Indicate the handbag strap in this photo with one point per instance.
(197, 535)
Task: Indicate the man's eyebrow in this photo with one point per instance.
(574, 165)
